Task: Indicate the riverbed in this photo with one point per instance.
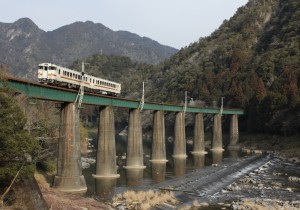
(231, 177)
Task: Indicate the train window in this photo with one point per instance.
(93, 81)
(41, 67)
(58, 71)
(46, 68)
(52, 68)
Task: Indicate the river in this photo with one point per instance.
(154, 173)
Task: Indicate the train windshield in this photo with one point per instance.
(44, 68)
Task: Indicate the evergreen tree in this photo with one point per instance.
(15, 142)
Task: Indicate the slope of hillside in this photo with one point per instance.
(252, 60)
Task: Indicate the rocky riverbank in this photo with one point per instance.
(252, 182)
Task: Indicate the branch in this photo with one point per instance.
(9, 187)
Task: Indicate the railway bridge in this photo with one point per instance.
(69, 171)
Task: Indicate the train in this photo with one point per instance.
(55, 75)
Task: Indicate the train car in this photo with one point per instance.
(60, 76)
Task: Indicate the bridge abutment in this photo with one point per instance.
(199, 144)
(158, 144)
(217, 143)
(106, 166)
(69, 176)
(234, 132)
(135, 142)
(179, 150)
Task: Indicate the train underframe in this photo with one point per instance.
(75, 87)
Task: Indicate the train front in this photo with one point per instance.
(47, 73)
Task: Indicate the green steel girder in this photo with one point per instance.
(45, 92)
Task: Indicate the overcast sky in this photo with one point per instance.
(175, 23)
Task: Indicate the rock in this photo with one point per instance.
(294, 160)
(233, 187)
(235, 206)
(260, 186)
(294, 179)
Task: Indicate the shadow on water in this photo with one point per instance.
(155, 172)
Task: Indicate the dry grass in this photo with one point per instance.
(144, 199)
(41, 179)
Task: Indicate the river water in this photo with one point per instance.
(104, 189)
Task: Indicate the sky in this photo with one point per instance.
(176, 23)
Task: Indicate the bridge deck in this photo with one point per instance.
(46, 92)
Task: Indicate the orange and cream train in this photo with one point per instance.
(60, 76)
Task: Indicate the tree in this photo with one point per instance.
(15, 141)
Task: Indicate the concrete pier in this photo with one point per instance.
(179, 166)
(106, 166)
(135, 141)
(199, 160)
(199, 144)
(217, 143)
(134, 176)
(217, 156)
(234, 133)
(158, 171)
(105, 188)
(158, 144)
(179, 150)
(69, 176)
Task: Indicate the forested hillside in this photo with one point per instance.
(252, 60)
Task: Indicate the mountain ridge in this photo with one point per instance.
(25, 45)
